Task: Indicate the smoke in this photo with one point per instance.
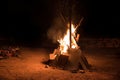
(57, 30)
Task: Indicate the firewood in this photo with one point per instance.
(77, 58)
(62, 60)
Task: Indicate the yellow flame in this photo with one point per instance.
(65, 41)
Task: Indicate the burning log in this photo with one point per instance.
(60, 60)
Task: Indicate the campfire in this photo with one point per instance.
(68, 55)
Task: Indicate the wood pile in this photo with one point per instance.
(9, 52)
(72, 60)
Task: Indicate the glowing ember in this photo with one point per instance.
(65, 42)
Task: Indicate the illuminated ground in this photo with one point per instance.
(29, 66)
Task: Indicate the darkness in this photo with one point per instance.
(103, 19)
(29, 20)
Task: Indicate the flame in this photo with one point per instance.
(65, 41)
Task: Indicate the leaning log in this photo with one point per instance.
(77, 59)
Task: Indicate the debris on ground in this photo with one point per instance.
(6, 52)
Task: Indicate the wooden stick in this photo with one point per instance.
(79, 23)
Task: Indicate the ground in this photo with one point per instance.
(29, 66)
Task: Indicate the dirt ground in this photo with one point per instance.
(29, 66)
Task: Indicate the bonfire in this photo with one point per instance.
(68, 55)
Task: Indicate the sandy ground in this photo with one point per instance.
(30, 67)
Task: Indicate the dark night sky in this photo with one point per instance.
(30, 19)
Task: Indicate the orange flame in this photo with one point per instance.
(65, 42)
